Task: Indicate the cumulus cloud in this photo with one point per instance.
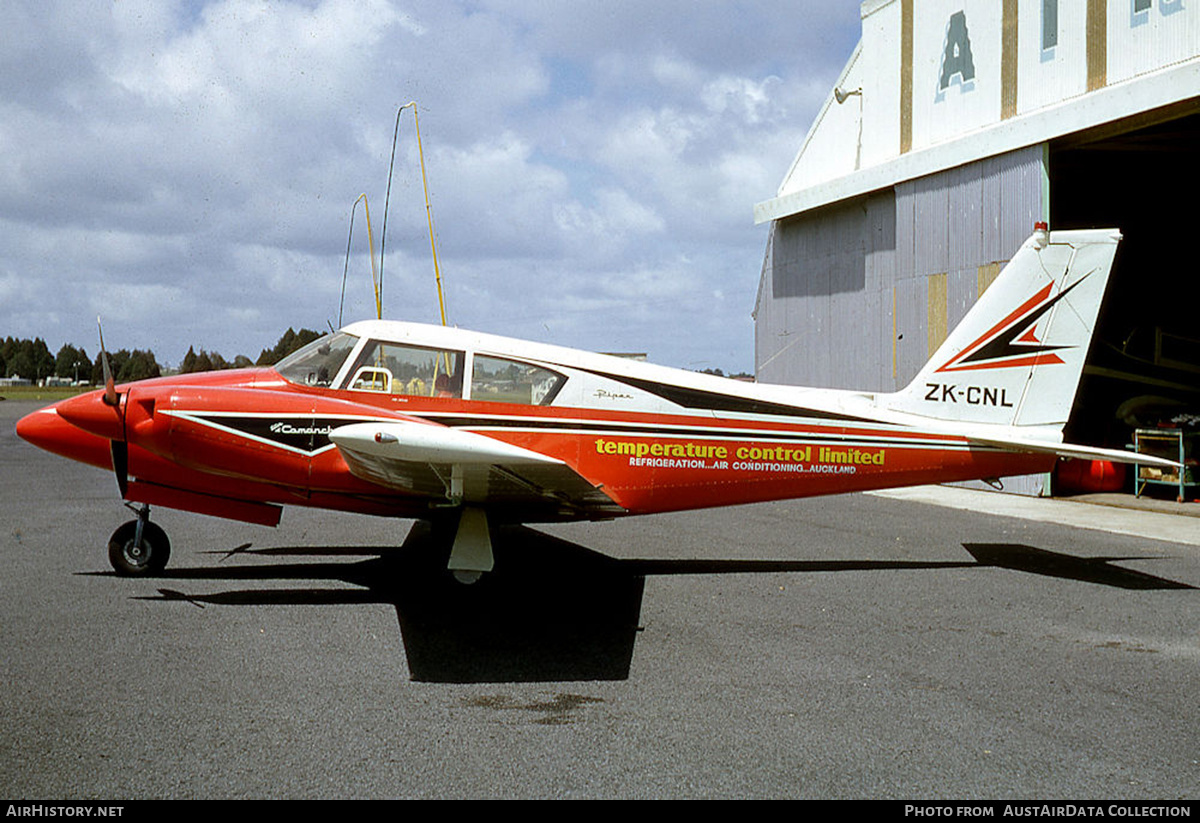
(188, 168)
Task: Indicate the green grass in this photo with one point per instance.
(39, 393)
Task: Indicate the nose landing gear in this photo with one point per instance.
(139, 548)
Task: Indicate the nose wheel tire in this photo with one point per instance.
(133, 559)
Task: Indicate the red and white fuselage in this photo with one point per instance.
(411, 420)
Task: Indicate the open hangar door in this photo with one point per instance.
(1138, 176)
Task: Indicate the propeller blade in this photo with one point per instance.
(110, 386)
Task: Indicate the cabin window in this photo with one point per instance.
(411, 370)
(318, 363)
(508, 381)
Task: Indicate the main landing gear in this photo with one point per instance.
(139, 548)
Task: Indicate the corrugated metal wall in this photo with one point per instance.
(858, 295)
(959, 224)
(824, 306)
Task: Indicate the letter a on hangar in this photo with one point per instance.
(956, 54)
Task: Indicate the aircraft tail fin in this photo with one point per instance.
(1016, 358)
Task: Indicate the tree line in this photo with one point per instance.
(32, 360)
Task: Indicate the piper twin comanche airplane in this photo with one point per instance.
(473, 430)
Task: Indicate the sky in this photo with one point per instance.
(187, 171)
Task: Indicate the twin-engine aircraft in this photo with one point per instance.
(473, 430)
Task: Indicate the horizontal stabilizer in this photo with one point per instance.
(1074, 451)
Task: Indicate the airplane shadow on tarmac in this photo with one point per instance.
(552, 609)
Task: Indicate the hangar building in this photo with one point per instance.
(953, 128)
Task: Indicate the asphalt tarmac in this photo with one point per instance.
(846, 647)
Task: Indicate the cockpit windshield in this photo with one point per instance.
(318, 363)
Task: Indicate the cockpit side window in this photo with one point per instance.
(500, 380)
(318, 363)
(411, 370)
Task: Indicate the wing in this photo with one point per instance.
(439, 462)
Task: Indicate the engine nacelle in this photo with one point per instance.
(254, 434)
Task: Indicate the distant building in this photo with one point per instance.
(954, 127)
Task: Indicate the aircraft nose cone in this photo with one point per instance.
(90, 413)
(45, 429)
(40, 428)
